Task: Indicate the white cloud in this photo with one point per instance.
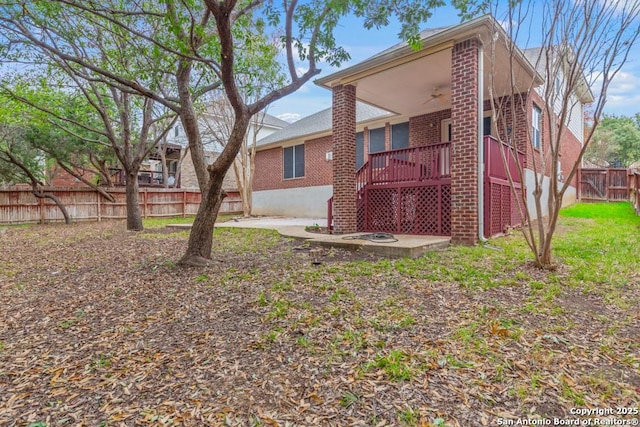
(624, 83)
(289, 117)
(623, 94)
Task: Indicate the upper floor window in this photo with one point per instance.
(176, 131)
(293, 162)
(536, 135)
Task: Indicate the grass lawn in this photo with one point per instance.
(99, 327)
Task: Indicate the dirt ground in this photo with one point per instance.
(99, 327)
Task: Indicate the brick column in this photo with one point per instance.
(344, 159)
(464, 142)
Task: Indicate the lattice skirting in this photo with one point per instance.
(501, 210)
(406, 210)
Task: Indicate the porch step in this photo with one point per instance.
(410, 246)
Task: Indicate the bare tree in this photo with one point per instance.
(582, 46)
(218, 123)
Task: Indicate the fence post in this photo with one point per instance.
(145, 203)
(99, 207)
(184, 203)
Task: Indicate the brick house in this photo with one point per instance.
(412, 163)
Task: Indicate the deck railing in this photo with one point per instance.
(494, 166)
(428, 162)
(145, 178)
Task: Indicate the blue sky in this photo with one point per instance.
(623, 97)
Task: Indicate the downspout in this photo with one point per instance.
(481, 237)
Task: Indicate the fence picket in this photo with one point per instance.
(18, 205)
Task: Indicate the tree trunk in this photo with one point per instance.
(42, 195)
(201, 237)
(134, 219)
(162, 151)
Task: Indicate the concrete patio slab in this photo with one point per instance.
(404, 246)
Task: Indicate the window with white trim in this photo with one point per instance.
(536, 119)
(293, 162)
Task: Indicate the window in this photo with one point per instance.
(293, 162)
(535, 127)
(359, 150)
(400, 136)
(176, 131)
(173, 166)
(486, 126)
(376, 140)
(445, 130)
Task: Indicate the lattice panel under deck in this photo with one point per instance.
(382, 210)
(445, 210)
(408, 210)
(496, 208)
(505, 221)
(360, 213)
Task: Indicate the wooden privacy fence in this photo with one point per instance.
(19, 205)
(610, 185)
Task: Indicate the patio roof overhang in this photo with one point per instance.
(404, 81)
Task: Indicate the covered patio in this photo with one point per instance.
(439, 182)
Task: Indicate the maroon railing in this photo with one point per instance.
(389, 176)
(429, 162)
(408, 190)
(500, 204)
(494, 166)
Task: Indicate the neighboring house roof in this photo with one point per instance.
(320, 122)
(273, 121)
(537, 57)
(267, 119)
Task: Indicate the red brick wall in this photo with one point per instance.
(344, 155)
(569, 151)
(317, 170)
(464, 146)
(569, 143)
(60, 178)
(427, 128)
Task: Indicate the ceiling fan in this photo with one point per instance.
(437, 95)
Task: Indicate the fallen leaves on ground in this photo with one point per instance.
(98, 327)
